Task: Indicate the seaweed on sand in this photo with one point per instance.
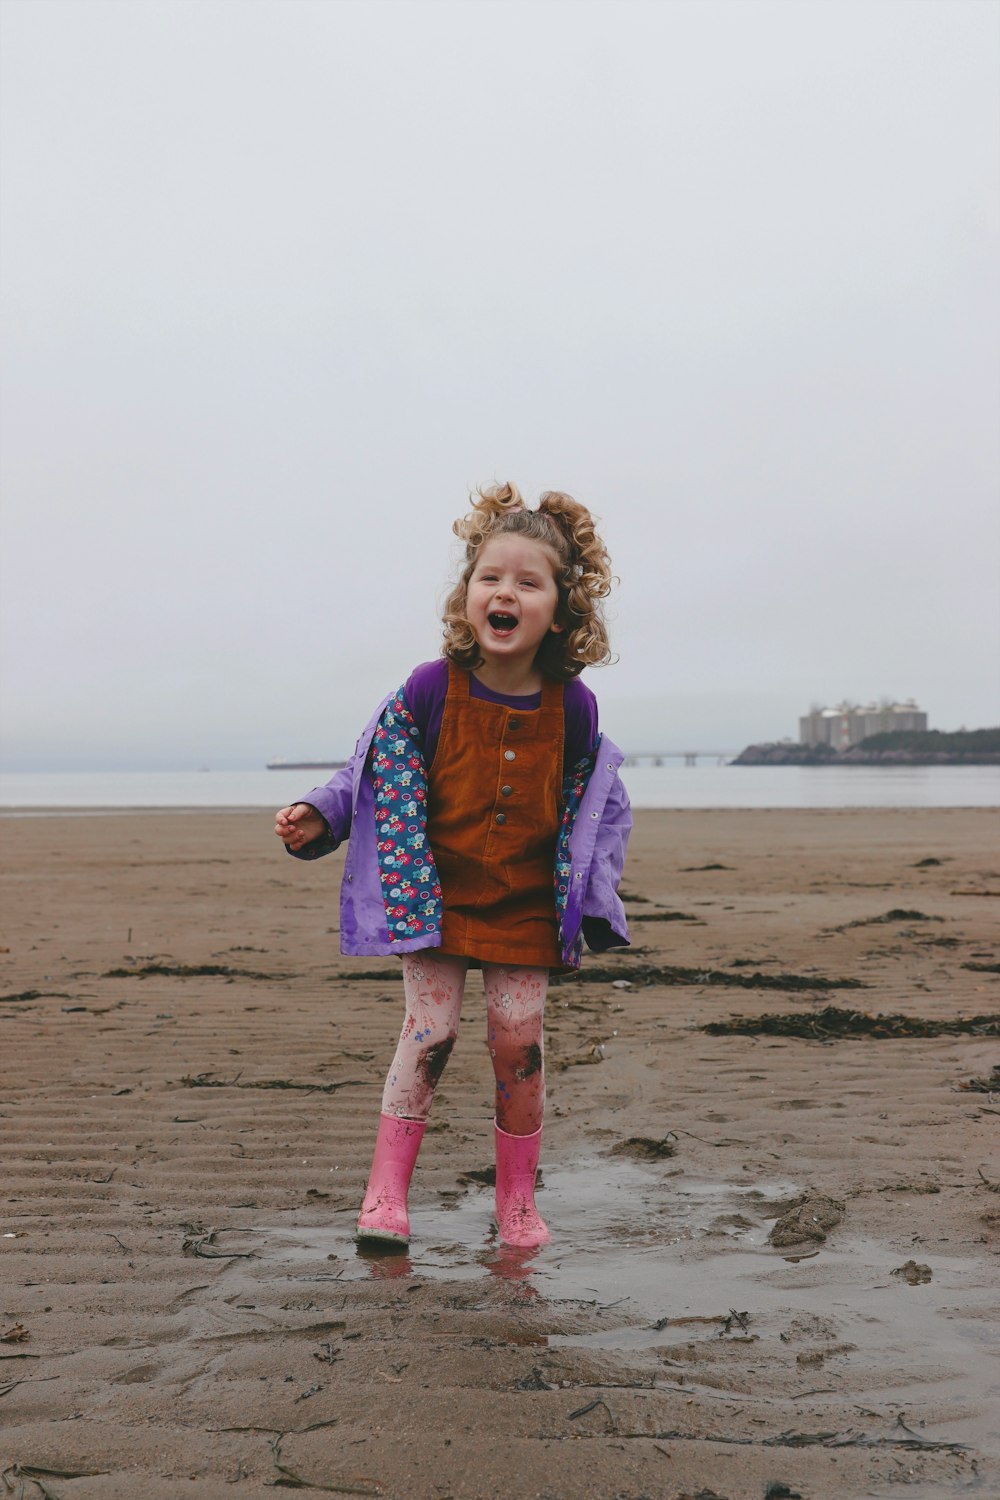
(664, 916)
(829, 1023)
(898, 914)
(671, 974)
(34, 995)
(188, 971)
(644, 1148)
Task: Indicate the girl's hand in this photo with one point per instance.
(298, 825)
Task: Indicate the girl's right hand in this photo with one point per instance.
(298, 825)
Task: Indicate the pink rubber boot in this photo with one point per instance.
(383, 1214)
(518, 1220)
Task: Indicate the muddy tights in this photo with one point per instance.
(434, 985)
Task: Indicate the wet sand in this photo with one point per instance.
(183, 1312)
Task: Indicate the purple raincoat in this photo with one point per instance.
(597, 844)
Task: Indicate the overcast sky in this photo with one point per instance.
(284, 279)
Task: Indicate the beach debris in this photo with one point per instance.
(924, 864)
(643, 1148)
(583, 1411)
(198, 1237)
(621, 984)
(809, 1219)
(291, 1481)
(778, 1491)
(994, 1187)
(990, 1085)
(39, 1474)
(328, 1352)
(16, 1334)
(829, 1023)
(848, 1439)
(535, 1381)
(740, 1319)
(672, 974)
(910, 1185)
(992, 968)
(912, 1272)
(695, 869)
(592, 1051)
(202, 1081)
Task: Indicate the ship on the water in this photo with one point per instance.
(306, 765)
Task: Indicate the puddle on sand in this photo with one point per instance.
(651, 1247)
(613, 1223)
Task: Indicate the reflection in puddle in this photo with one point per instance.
(385, 1261)
(510, 1262)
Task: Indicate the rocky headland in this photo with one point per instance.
(931, 747)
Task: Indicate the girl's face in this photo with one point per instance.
(511, 599)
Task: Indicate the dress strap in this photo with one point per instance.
(552, 693)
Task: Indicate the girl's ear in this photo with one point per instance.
(555, 628)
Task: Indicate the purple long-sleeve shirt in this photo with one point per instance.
(427, 688)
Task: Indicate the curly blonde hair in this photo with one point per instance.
(582, 573)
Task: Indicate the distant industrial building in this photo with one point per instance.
(850, 723)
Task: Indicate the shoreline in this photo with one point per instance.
(11, 811)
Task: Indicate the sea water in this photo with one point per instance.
(670, 785)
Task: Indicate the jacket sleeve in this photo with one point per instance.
(335, 801)
(604, 925)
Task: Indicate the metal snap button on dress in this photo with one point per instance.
(505, 791)
(501, 817)
(509, 755)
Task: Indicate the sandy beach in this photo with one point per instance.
(774, 1268)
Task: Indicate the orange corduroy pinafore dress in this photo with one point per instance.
(494, 807)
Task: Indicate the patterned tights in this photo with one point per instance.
(434, 985)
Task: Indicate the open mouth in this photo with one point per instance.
(502, 623)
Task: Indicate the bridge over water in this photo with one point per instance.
(689, 757)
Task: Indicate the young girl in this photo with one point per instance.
(488, 827)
